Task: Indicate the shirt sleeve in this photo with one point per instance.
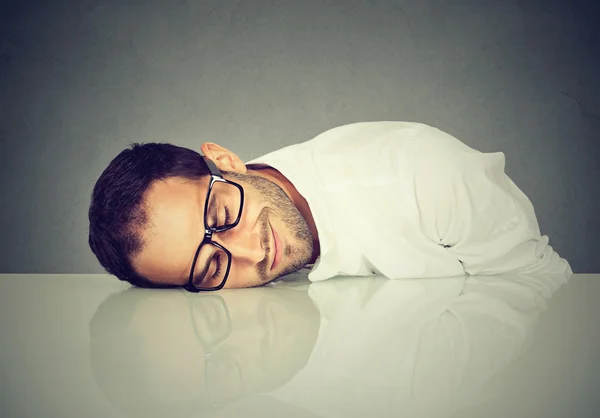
(468, 204)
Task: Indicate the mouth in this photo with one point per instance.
(276, 248)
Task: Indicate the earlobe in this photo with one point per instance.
(224, 159)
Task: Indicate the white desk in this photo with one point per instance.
(496, 346)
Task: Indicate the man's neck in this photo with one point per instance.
(297, 199)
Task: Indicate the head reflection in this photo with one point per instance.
(174, 353)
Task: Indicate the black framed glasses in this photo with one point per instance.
(222, 211)
(212, 325)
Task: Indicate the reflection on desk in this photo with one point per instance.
(350, 347)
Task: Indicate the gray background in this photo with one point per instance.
(80, 80)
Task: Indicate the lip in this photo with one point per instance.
(276, 248)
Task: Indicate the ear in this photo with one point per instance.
(224, 159)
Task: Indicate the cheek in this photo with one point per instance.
(242, 277)
(251, 210)
(255, 215)
(237, 278)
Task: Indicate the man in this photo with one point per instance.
(400, 199)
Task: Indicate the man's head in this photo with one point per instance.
(147, 219)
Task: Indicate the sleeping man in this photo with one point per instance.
(399, 199)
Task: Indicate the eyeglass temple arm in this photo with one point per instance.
(212, 167)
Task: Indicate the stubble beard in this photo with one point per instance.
(279, 204)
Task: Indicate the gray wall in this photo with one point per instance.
(80, 80)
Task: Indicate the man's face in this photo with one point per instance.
(175, 209)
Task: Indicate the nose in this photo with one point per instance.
(244, 246)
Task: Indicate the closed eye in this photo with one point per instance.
(227, 216)
(219, 268)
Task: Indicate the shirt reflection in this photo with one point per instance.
(374, 347)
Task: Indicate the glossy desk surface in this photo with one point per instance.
(488, 346)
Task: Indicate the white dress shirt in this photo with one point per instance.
(406, 200)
